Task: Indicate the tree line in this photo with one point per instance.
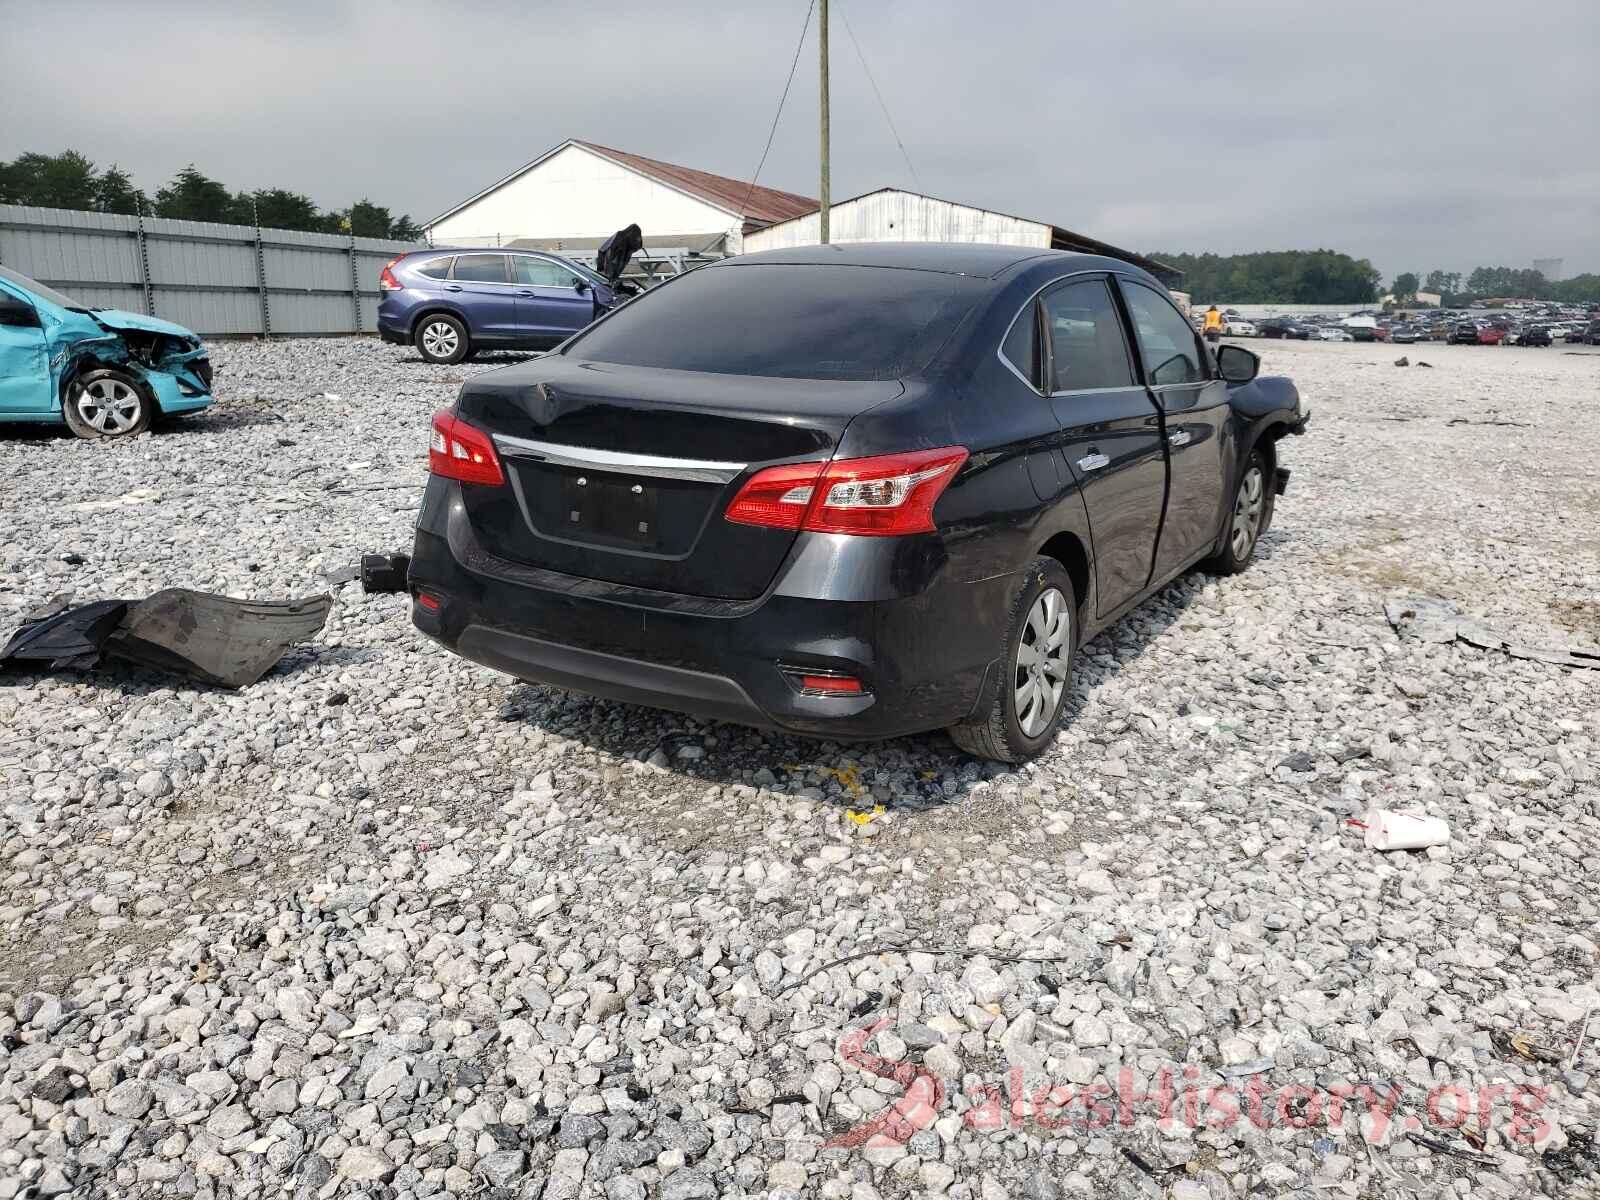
(1276, 277)
(1458, 290)
(71, 180)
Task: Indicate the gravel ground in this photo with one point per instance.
(389, 924)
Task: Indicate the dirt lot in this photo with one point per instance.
(388, 923)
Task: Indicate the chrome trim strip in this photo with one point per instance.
(1127, 387)
(619, 462)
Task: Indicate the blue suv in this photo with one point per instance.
(450, 303)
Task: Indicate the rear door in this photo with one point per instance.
(1110, 434)
(550, 302)
(482, 286)
(24, 368)
(1194, 403)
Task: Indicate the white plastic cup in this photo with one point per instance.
(1404, 831)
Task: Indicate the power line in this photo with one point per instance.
(887, 118)
(771, 133)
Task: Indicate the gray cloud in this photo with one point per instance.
(1431, 135)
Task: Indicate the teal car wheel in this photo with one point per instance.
(105, 403)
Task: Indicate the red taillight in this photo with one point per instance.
(882, 496)
(429, 601)
(386, 280)
(462, 451)
(778, 496)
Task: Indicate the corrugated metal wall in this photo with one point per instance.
(896, 216)
(214, 279)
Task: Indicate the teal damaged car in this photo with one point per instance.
(103, 372)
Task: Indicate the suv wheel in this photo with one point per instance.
(442, 338)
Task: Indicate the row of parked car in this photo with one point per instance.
(1455, 327)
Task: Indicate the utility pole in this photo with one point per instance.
(826, 202)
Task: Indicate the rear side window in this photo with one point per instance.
(541, 272)
(1167, 344)
(1021, 347)
(787, 321)
(436, 268)
(1086, 343)
(480, 268)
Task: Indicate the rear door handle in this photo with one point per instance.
(452, 287)
(525, 292)
(1178, 437)
(1093, 461)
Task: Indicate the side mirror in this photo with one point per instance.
(1236, 364)
(19, 314)
(580, 286)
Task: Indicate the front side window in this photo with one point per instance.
(480, 268)
(1167, 345)
(541, 272)
(1086, 342)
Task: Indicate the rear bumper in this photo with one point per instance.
(925, 656)
(393, 328)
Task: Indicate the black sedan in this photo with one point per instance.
(847, 491)
(1285, 327)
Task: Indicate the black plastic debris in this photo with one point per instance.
(67, 638)
(214, 639)
(382, 573)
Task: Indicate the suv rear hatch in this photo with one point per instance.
(622, 473)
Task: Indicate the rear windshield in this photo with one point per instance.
(787, 321)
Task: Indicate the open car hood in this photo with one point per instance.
(117, 319)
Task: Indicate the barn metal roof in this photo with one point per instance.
(737, 196)
(1060, 238)
(760, 205)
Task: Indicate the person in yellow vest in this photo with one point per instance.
(1212, 325)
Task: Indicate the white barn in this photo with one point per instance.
(894, 215)
(573, 197)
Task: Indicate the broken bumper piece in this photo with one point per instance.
(214, 639)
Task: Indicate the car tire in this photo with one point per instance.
(1044, 613)
(107, 403)
(1248, 518)
(442, 339)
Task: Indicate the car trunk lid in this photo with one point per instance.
(622, 473)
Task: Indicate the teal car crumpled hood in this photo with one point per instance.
(116, 318)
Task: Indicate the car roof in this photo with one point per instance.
(954, 258)
(438, 251)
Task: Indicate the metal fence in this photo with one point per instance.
(214, 279)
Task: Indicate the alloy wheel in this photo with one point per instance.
(1041, 667)
(440, 339)
(109, 406)
(1247, 507)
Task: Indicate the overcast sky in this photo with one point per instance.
(1436, 133)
